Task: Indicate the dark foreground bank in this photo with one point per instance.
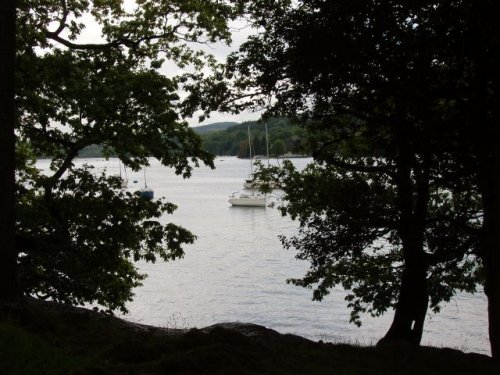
(42, 337)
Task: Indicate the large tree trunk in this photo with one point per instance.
(489, 182)
(413, 300)
(411, 309)
(491, 256)
(490, 247)
(413, 198)
(484, 126)
(9, 286)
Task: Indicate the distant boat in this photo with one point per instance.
(146, 192)
(248, 200)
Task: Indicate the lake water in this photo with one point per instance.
(236, 270)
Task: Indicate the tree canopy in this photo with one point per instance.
(77, 232)
(398, 222)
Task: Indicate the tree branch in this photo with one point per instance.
(124, 41)
(62, 22)
(358, 167)
(90, 46)
(452, 255)
(72, 153)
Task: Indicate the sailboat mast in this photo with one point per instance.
(250, 149)
(267, 145)
(145, 184)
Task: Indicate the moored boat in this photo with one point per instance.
(248, 200)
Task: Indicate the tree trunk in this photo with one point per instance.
(413, 198)
(413, 300)
(484, 126)
(9, 285)
(490, 246)
(411, 309)
(490, 192)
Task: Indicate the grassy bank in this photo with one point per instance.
(41, 337)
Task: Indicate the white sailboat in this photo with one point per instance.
(244, 199)
(248, 200)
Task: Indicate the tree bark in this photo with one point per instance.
(413, 198)
(484, 126)
(491, 245)
(489, 182)
(9, 285)
(411, 309)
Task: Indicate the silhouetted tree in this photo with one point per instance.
(9, 286)
(478, 48)
(78, 232)
(378, 75)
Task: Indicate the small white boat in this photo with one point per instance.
(247, 200)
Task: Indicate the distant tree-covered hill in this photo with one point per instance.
(218, 126)
(231, 138)
(284, 137)
(92, 151)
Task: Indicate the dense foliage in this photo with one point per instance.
(78, 234)
(349, 233)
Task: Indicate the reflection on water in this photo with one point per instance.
(236, 270)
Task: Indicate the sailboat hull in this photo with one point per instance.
(248, 201)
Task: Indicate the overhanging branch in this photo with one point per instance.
(360, 167)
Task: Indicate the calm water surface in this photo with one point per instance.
(236, 270)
